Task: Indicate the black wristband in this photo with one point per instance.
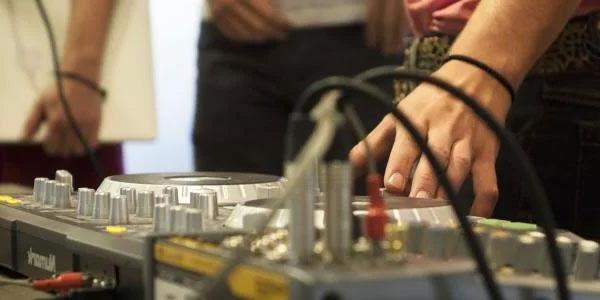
(485, 68)
(85, 81)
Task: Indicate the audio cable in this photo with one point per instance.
(348, 84)
(61, 93)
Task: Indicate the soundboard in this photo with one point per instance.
(164, 236)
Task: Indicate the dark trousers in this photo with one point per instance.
(246, 92)
(557, 121)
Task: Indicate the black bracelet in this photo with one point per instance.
(486, 69)
(85, 81)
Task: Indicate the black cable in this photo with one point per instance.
(61, 93)
(318, 88)
(539, 200)
(358, 128)
(90, 84)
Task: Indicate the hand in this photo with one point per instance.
(60, 139)
(249, 20)
(460, 142)
(385, 25)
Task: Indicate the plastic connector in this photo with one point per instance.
(62, 282)
(376, 217)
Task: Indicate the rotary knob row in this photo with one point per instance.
(51, 193)
(177, 219)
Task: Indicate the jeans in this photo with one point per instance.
(246, 91)
(557, 121)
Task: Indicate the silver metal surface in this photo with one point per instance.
(131, 195)
(231, 188)
(414, 236)
(161, 199)
(64, 176)
(145, 204)
(501, 248)
(206, 201)
(566, 247)
(541, 255)
(251, 220)
(119, 211)
(62, 195)
(160, 221)
(193, 220)
(49, 193)
(435, 238)
(101, 205)
(85, 202)
(301, 228)
(525, 261)
(338, 211)
(586, 261)
(176, 219)
(39, 186)
(173, 194)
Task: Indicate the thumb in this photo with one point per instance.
(34, 121)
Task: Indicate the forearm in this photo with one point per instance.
(86, 37)
(510, 35)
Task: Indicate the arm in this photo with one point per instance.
(83, 54)
(509, 36)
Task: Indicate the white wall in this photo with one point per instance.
(175, 26)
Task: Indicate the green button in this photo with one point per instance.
(519, 226)
(493, 222)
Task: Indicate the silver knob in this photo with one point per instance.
(414, 236)
(193, 220)
(62, 195)
(522, 261)
(205, 200)
(540, 248)
(173, 194)
(131, 195)
(566, 247)
(49, 193)
(118, 213)
(160, 221)
(161, 198)
(101, 205)
(64, 176)
(39, 186)
(85, 201)
(501, 248)
(145, 204)
(586, 261)
(176, 218)
(434, 240)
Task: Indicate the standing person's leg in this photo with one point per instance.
(241, 112)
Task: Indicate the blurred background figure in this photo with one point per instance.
(81, 68)
(255, 57)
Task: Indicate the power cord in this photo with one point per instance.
(539, 201)
(61, 93)
(345, 83)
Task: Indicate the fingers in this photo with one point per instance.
(459, 166)
(257, 27)
(484, 185)
(250, 21)
(34, 121)
(402, 158)
(425, 181)
(380, 141)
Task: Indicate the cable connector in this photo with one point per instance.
(376, 216)
(63, 282)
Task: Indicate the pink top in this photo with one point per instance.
(449, 16)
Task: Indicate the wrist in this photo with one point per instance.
(488, 91)
(87, 65)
